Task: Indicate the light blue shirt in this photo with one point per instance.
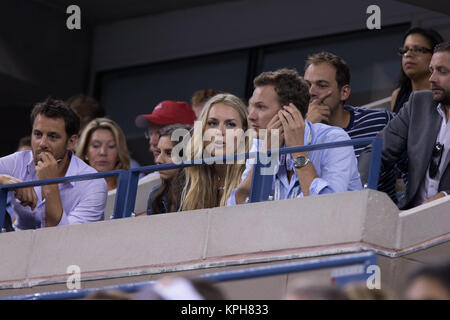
(82, 201)
(336, 168)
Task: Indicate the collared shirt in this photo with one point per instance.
(429, 186)
(82, 201)
(336, 168)
(366, 123)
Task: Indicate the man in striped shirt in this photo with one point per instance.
(329, 79)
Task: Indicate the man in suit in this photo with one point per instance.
(421, 129)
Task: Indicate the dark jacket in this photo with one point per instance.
(413, 131)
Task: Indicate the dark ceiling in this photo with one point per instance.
(441, 6)
(104, 11)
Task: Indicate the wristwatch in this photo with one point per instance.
(301, 161)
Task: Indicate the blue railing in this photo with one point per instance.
(264, 182)
(366, 259)
(122, 185)
(128, 180)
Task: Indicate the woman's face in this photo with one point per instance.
(163, 154)
(416, 64)
(220, 137)
(102, 150)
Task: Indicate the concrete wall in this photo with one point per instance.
(150, 247)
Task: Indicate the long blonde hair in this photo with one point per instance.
(119, 138)
(201, 185)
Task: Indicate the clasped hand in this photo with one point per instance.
(26, 196)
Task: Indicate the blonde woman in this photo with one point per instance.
(223, 123)
(103, 146)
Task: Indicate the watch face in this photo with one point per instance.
(300, 161)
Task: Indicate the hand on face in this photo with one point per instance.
(274, 129)
(318, 111)
(26, 196)
(47, 167)
(293, 125)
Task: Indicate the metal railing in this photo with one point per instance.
(122, 185)
(265, 181)
(366, 259)
(128, 180)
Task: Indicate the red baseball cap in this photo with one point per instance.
(167, 112)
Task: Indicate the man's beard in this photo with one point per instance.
(443, 98)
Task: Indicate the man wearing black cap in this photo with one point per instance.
(165, 113)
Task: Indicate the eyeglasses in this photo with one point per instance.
(415, 50)
(436, 157)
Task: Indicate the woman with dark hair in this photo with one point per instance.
(416, 52)
(166, 197)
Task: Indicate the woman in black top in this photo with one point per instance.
(416, 52)
(166, 198)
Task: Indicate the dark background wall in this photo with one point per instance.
(39, 57)
(170, 55)
(132, 54)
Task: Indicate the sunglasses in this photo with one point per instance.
(436, 157)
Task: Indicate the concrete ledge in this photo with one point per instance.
(223, 237)
(15, 248)
(424, 222)
(381, 221)
(293, 223)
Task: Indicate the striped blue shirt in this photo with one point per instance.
(366, 123)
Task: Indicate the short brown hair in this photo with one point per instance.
(289, 85)
(442, 47)
(201, 96)
(339, 64)
(86, 107)
(24, 142)
(52, 108)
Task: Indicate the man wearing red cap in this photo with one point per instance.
(166, 113)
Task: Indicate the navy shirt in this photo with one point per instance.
(366, 123)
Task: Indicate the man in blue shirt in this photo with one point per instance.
(54, 134)
(279, 104)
